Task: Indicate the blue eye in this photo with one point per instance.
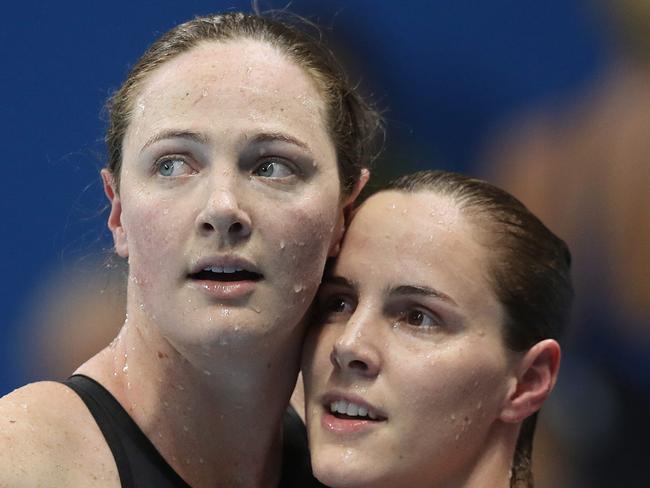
(273, 168)
(172, 166)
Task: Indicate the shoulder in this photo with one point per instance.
(49, 438)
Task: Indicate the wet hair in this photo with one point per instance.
(529, 270)
(354, 125)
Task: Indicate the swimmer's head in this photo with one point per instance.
(433, 343)
(529, 269)
(353, 124)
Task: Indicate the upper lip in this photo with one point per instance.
(224, 261)
(335, 396)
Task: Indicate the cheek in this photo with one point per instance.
(318, 346)
(153, 228)
(303, 239)
(456, 392)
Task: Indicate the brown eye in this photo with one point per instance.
(419, 318)
(338, 305)
(415, 317)
(335, 306)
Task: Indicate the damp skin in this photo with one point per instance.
(409, 299)
(217, 113)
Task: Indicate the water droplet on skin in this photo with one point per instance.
(207, 373)
(282, 244)
(347, 455)
(204, 93)
(186, 428)
(201, 461)
(298, 287)
(453, 416)
(125, 369)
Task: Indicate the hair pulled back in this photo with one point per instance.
(529, 270)
(354, 125)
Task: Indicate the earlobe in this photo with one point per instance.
(536, 377)
(345, 212)
(115, 216)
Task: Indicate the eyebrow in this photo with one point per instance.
(176, 134)
(279, 136)
(338, 281)
(402, 290)
(203, 139)
(422, 291)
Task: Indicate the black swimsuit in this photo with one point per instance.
(139, 463)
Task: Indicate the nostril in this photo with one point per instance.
(236, 227)
(356, 364)
(207, 227)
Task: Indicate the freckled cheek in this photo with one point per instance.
(153, 231)
(303, 242)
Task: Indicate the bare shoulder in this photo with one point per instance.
(49, 438)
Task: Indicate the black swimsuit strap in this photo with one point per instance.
(132, 450)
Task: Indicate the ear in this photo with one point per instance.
(536, 376)
(345, 213)
(115, 217)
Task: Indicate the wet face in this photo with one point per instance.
(229, 195)
(405, 371)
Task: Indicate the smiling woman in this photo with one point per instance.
(436, 339)
(235, 146)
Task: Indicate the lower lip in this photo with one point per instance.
(225, 290)
(346, 426)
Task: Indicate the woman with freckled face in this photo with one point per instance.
(435, 339)
(235, 146)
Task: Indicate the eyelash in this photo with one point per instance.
(325, 306)
(405, 317)
(159, 163)
(269, 160)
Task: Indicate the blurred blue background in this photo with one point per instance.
(480, 87)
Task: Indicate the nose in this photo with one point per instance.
(223, 216)
(355, 351)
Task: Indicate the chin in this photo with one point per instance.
(345, 471)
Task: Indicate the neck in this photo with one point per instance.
(493, 464)
(218, 423)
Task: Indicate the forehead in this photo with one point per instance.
(416, 238)
(245, 78)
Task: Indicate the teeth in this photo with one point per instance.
(222, 269)
(351, 409)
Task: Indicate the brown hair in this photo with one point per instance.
(353, 123)
(529, 272)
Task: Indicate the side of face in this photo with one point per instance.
(227, 164)
(410, 331)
